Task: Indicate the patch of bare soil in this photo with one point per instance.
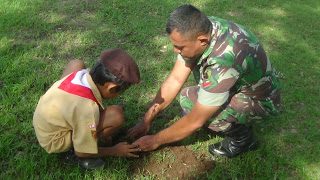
(175, 162)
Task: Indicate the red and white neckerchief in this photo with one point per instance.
(77, 84)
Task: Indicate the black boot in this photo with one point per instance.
(239, 139)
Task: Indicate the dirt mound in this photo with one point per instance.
(176, 162)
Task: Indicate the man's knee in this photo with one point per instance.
(184, 91)
(190, 93)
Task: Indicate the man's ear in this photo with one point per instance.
(110, 87)
(204, 39)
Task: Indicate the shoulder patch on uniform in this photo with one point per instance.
(206, 76)
(92, 127)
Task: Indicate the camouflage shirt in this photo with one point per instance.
(234, 62)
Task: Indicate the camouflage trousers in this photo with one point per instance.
(239, 109)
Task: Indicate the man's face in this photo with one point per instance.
(188, 49)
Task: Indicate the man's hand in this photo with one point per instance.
(124, 149)
(139, 130)
(147, 143)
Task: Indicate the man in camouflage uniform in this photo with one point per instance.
(236, 83)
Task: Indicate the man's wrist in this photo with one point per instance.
(157, 139)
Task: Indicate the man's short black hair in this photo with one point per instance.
(189, 21)
(100, 75)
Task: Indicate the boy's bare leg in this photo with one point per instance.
(74, 65)
(111, 119)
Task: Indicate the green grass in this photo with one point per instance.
(38, 38)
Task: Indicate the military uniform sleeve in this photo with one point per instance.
(216, 84)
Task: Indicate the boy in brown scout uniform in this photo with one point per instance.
(70, 118)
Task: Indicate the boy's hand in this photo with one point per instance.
(124, 149)
(139, 130)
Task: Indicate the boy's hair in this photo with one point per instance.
(189, 21)
(101, 74)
